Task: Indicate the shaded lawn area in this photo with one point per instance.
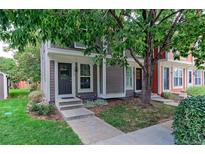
(131, 116)
(20, 128)
(18, 92)
(196, 91)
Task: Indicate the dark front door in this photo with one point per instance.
(64, 78)
(138, 79)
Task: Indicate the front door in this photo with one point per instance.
(64, 79)
(138, 79)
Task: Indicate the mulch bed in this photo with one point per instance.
(111, 103)
(56, 116)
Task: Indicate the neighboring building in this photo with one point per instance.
(67, 73)
(3, 86)
(176, 76)
(22, 84)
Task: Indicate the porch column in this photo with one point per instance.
(104, 76)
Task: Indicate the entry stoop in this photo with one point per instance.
(77, 113)
(73, 109)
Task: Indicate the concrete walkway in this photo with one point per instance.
(92, 129)
(155, 135)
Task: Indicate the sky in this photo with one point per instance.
(8, 54)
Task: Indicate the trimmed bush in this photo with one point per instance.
(35, 97)
(167, 95)
(42, 109)
(189, 121)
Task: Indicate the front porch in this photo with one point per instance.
(75, 76)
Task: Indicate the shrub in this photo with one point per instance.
(196, 91)
(97, 102)
(167, 95)
(34, 87)
(189, 121)
(35, 97)
(42, 109)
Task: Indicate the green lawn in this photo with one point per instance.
(18, 92)
(20, 128)
(131, 116)
(196, 91)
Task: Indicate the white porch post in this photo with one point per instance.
(104, 76)
(98, 80)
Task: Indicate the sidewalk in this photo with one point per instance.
(155, 135)
(92, 129)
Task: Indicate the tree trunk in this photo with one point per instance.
(146, 88)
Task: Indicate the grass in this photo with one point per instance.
(18, 92)
(131, 116)
(196, 91)
(17, 127)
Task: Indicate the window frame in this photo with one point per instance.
(188, 83)
(166, 90)
(178, 69)
(197, 77)
(83, 90)
(130, 87)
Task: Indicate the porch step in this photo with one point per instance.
(160, 99)
(68, 106)
(70, 102)
(77, 113)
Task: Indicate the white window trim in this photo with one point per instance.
(91, 79)
(178, 68)
(190, 84)
(200, 77)
(165, 90)
(129, 87)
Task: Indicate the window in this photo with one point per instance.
(197, 77)
(166, 78)
(129, 78)
(190, 77)
(177, 77)
(85, 78)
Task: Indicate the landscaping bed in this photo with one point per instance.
(18, 127)
(129, 115)
(196, 91)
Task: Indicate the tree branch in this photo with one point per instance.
(158, 15)
(119, 22)
(135, 58)
(169, 34)
(165, 18)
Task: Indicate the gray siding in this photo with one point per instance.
(1, 86)
(89, 95)
(52, 81)
(114, 79)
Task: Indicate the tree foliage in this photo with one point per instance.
(28, 63)
(8, 66)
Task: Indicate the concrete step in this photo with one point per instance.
(70, 102)
(70, 106)
(77, 113)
